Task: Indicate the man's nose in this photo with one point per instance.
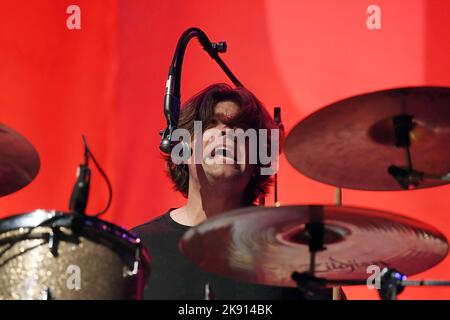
(221, 135)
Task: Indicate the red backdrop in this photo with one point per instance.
(107, 81)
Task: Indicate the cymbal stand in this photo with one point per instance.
(314, 230)
(407, 177)
(390, 283)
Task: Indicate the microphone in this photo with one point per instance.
(171, 113)
(80, 192)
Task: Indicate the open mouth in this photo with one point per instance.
(223, 152)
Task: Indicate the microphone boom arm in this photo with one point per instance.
(172, 95)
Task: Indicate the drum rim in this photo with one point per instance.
(33, 218)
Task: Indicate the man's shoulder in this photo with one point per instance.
(155, 225)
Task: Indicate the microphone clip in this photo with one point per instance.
(80, 192)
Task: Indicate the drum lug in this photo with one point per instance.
(135, 270)
(46, 295)
(53, 241)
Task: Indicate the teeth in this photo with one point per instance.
(223, 152)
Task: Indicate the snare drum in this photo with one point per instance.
(53, 255)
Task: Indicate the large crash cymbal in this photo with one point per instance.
(19, 161)
(265, 245)
(351, 143)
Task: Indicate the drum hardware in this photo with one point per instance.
(407, 177)
(45, 244)
(53, 241)
(101, 250)
(262, 199)
(208, 292)
(364, 127)
(337, 293)
(53, 236)
(314, 232)
(46, 295)
(80, 193)
(391, 282)
(338, 197)
(135, 271)
(278, 122)
(293, 246)
(410, 178)
(77, 204)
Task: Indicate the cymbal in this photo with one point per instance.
(352, 143)
(265, 245)
(19, 161)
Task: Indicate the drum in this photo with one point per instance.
(53, 255)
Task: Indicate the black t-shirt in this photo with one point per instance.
(174, 277)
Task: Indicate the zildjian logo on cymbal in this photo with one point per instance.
(349, 265)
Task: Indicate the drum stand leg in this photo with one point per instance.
(337, 292)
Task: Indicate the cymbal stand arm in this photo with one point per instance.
(315, 233)
(403, 125)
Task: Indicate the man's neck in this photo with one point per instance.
(205, 203)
